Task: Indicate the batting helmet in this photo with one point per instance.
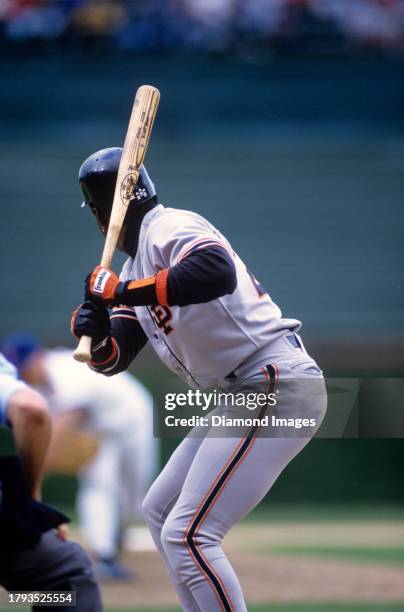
(97, 177)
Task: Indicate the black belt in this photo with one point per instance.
(291, 338)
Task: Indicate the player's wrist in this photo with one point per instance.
(137, 293)
(103, 351)
(91, 319)
(98, 346)
(121, 294)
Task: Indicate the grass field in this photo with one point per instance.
(298, 559)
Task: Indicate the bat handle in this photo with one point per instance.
(83, 350)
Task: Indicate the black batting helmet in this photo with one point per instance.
(97, 177)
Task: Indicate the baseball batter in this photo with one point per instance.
(185, 290)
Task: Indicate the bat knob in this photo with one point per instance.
(83, 350)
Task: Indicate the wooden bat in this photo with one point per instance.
(134, 151)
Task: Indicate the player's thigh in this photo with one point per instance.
(165, 490)
(227, 479)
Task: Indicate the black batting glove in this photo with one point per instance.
(91, 319)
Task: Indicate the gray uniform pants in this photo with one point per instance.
(210, 482)
(53, 565)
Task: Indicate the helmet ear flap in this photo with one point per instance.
(85, 193)
(102, 221)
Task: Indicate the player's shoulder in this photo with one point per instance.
(168, 220)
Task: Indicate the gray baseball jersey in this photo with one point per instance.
(202, 343)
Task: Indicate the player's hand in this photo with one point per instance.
(102, 285)
(90, 319)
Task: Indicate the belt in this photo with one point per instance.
(293, 340)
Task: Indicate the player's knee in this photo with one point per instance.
(151, 510)
(173, 541)
(172, 535)
(147, 509)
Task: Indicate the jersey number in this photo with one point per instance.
(162, 316)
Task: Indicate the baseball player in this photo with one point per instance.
(114, 483)
(185, 290)
(33, 556)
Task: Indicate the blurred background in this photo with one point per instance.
(282, 121)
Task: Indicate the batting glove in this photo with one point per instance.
(91, 319)
(103, 285)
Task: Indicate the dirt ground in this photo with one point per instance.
(278, 577)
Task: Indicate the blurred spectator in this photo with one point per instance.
(98, 17)
(261, 18)
(210, 25)
(27, 19)
(374, 23)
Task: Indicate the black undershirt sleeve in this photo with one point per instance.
(130, 337)
(126, 340)
(203, 276)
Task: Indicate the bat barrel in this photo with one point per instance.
(134, 150)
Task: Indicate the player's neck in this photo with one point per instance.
(133, 222)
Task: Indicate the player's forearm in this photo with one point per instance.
(125, 340)
(203, 276)
(31, 423)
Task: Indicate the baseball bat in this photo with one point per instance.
(134, 151)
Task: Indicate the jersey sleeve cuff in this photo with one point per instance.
(110, 359)
(161, 287)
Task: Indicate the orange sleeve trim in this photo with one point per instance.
(144, 282)
(161, 287)
(112, 356)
